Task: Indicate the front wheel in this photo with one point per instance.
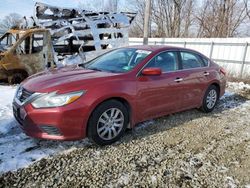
(210, 99)
(108, 122)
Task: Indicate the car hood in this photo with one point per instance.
(65, 79)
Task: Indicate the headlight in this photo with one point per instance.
(56, 100)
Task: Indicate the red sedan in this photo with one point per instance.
(115, 91)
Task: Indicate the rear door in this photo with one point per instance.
(159, 95)
(195, 78)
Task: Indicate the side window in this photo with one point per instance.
(24, 46)
(37, 42)
(190, 60)
(167, 61)
(4, 40)
(205, 60)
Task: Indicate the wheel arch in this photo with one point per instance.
(11, 73)
(22, 71)
(124, 101)
(217, 86)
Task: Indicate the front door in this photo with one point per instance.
(31, 53)
(159, 95)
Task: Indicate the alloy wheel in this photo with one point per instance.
(110, 123)
(211, 99)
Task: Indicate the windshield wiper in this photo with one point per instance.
(96, 69)
(81, 65)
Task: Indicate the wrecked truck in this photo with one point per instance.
(23, 53)
(57, 34)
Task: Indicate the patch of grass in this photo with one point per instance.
(237, 79)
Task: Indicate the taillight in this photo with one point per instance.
(223, 71)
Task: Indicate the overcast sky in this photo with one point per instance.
(25, 7)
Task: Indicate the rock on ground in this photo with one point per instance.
(187, 149)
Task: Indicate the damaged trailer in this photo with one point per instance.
(57, 37)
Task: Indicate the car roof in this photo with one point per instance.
(159, 48)
(155, 47)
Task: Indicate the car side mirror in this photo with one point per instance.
(151, 71)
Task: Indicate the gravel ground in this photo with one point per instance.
(187, 149)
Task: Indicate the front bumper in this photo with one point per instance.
(64, 123)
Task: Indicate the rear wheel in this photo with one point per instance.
(108, 122)
(210, 99)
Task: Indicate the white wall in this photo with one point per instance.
(228, 52)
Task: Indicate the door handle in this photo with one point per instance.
(206, 73)
(178, 79)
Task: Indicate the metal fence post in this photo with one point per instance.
(211, 50)
(185, 43)
(243, 59)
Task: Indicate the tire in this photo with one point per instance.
(108, 122)
(16, 78)
(210, 99)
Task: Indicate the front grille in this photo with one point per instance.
(16, 112)
(51, 130)
(23, 94)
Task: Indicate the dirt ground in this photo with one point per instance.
(187, 149)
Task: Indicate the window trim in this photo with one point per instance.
(197, 54)
(200, 60)
(179, 61)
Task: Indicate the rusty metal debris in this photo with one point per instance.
(58, 35)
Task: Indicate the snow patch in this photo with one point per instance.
(230, 182)
(6, 117)
(238, 86)
(18, 150)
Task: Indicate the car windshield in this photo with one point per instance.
(120, 60)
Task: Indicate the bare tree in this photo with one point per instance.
(90, 5)
(10, 21)
(100, 5)
(136, 29)
(187, 18)
(184, 18)
(111, 5)
(173, 17)
(220, 18)
(247, 5)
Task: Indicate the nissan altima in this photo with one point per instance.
(103, 97)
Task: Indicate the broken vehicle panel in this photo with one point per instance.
(76, 30)
(23, 53)
(59, 35)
